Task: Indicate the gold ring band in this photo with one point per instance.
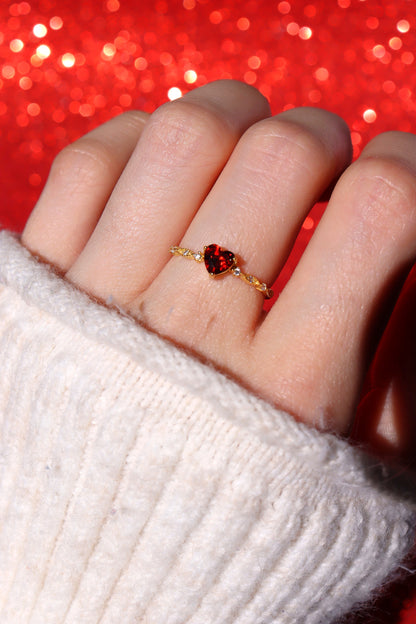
(219, 261)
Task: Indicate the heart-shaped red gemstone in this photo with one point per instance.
(218, 260)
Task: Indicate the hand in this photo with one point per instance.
(215, 167)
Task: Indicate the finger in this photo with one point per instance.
(181, 152)
(385, 420)
(277, 171)
(328, 319)
(81, 179)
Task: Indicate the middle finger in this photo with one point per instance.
(278, 170)
(181, 151)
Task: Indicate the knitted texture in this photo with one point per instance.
(141, 486)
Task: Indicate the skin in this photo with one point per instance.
(216, 167)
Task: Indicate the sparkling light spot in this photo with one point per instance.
(308, 223)
(293, 28)
(305, 33)
(369, 115)
(58, 116)
(35, 60)
(190, 76)
(80, 59)
(120, 42)
(243, 23)
(22, 120)
(372, 23)
(147, 85)
(35, 179)
(25, 83)
(40, 30)
(405, 93)
(379, 51)
(395, 43)
(140, 63)
(403, 26)
(254, 62)
(166, 58)
(51, 76)
(19, 8)
(36, 146)
(315, 96)
(322, 74)
(189, 4)
(33, 109)
(389, 86)
(76, 93)
(108, 51)
(407, 58)
(310, 10)
(100, 101)
(125, 100)
(14, 9)
(23, 67)
(250, 77)
(174, 93)
(68, 60)
(16, 45)
(215, 17)
(86, 110)
(8, 72)
(43, 51)
(56, 22)
(113, 5)
(74, 107)
(283, 8)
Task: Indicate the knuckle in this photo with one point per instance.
(134, 118)
(81, 163)
(187, 128)
(280, 140)
(388, 184)
(385, 142)
(130, 123)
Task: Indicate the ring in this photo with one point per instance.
(219, 261)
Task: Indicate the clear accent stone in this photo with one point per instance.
(187, 253)
(198, 257)
(250, 279)
(237, 271)
(264, 287)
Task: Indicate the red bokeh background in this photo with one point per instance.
(66, 66)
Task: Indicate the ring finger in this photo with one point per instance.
(278, 170)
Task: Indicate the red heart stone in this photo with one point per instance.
(218, 260)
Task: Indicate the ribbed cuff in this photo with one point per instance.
(139, 485)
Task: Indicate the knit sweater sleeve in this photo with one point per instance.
(139, 485)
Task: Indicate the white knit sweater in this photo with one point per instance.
(141, 486)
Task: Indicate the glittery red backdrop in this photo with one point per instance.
(66, 66)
